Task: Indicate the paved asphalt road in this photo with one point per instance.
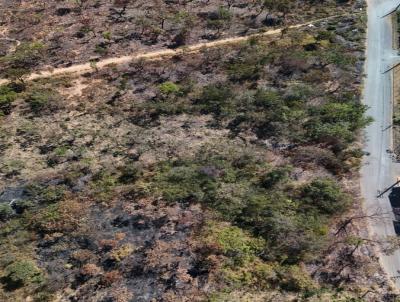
(379, 171)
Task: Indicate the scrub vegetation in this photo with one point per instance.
(225, 175)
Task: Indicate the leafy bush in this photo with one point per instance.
(25, 56)
(122, 252)
(184, 183)
(168, 88)
(6, 211)
(64, 216)
(215, 99)
(43, 297)
(219, 19)
(324, 195)
(46, 194)
(129, 173)
(249, 62)
(337, 122)
(102, 185)
(396, 120)
(7, 97)
(323, 157)
(21, 205)
(274, 177)
(326, 35)
(293, 278)
(235, 243)
(45, 219)
(23, 272)
(230, 184)
(39, 100)
(338, 56)
(106, 35)
(101, 49)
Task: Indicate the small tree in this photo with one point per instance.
(80, 3)
(26, 55)
(283, 6)
(220, 19)
(144, 24)
(121, 5)
(266, 5)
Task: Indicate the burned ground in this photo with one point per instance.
(218, 176)
(76, 31)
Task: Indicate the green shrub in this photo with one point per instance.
(338, 57)
(22, 59)
(274, 177)
(216, 100)
(43, 297)
(396, 120)
(184, 183)
(40, 100)
(101, 49)
(326, 196)
(12, 167)
(64, 217)
(22, 205)
(44, 219)
(326, 35)
(168, 88)
(293, 278)
(219, 19)
(46, 194)
(106, 35)
(129, 173)
(248, 64)
(237, 244)
(292, 234)
(6, 211)
(102, 185)
(7, 97)
(321, 156)
(336, 121)
(52, 194)
(25, 53)
(241, 71)
(23, 272)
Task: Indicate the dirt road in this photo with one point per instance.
(379, 171)
(159, 54)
